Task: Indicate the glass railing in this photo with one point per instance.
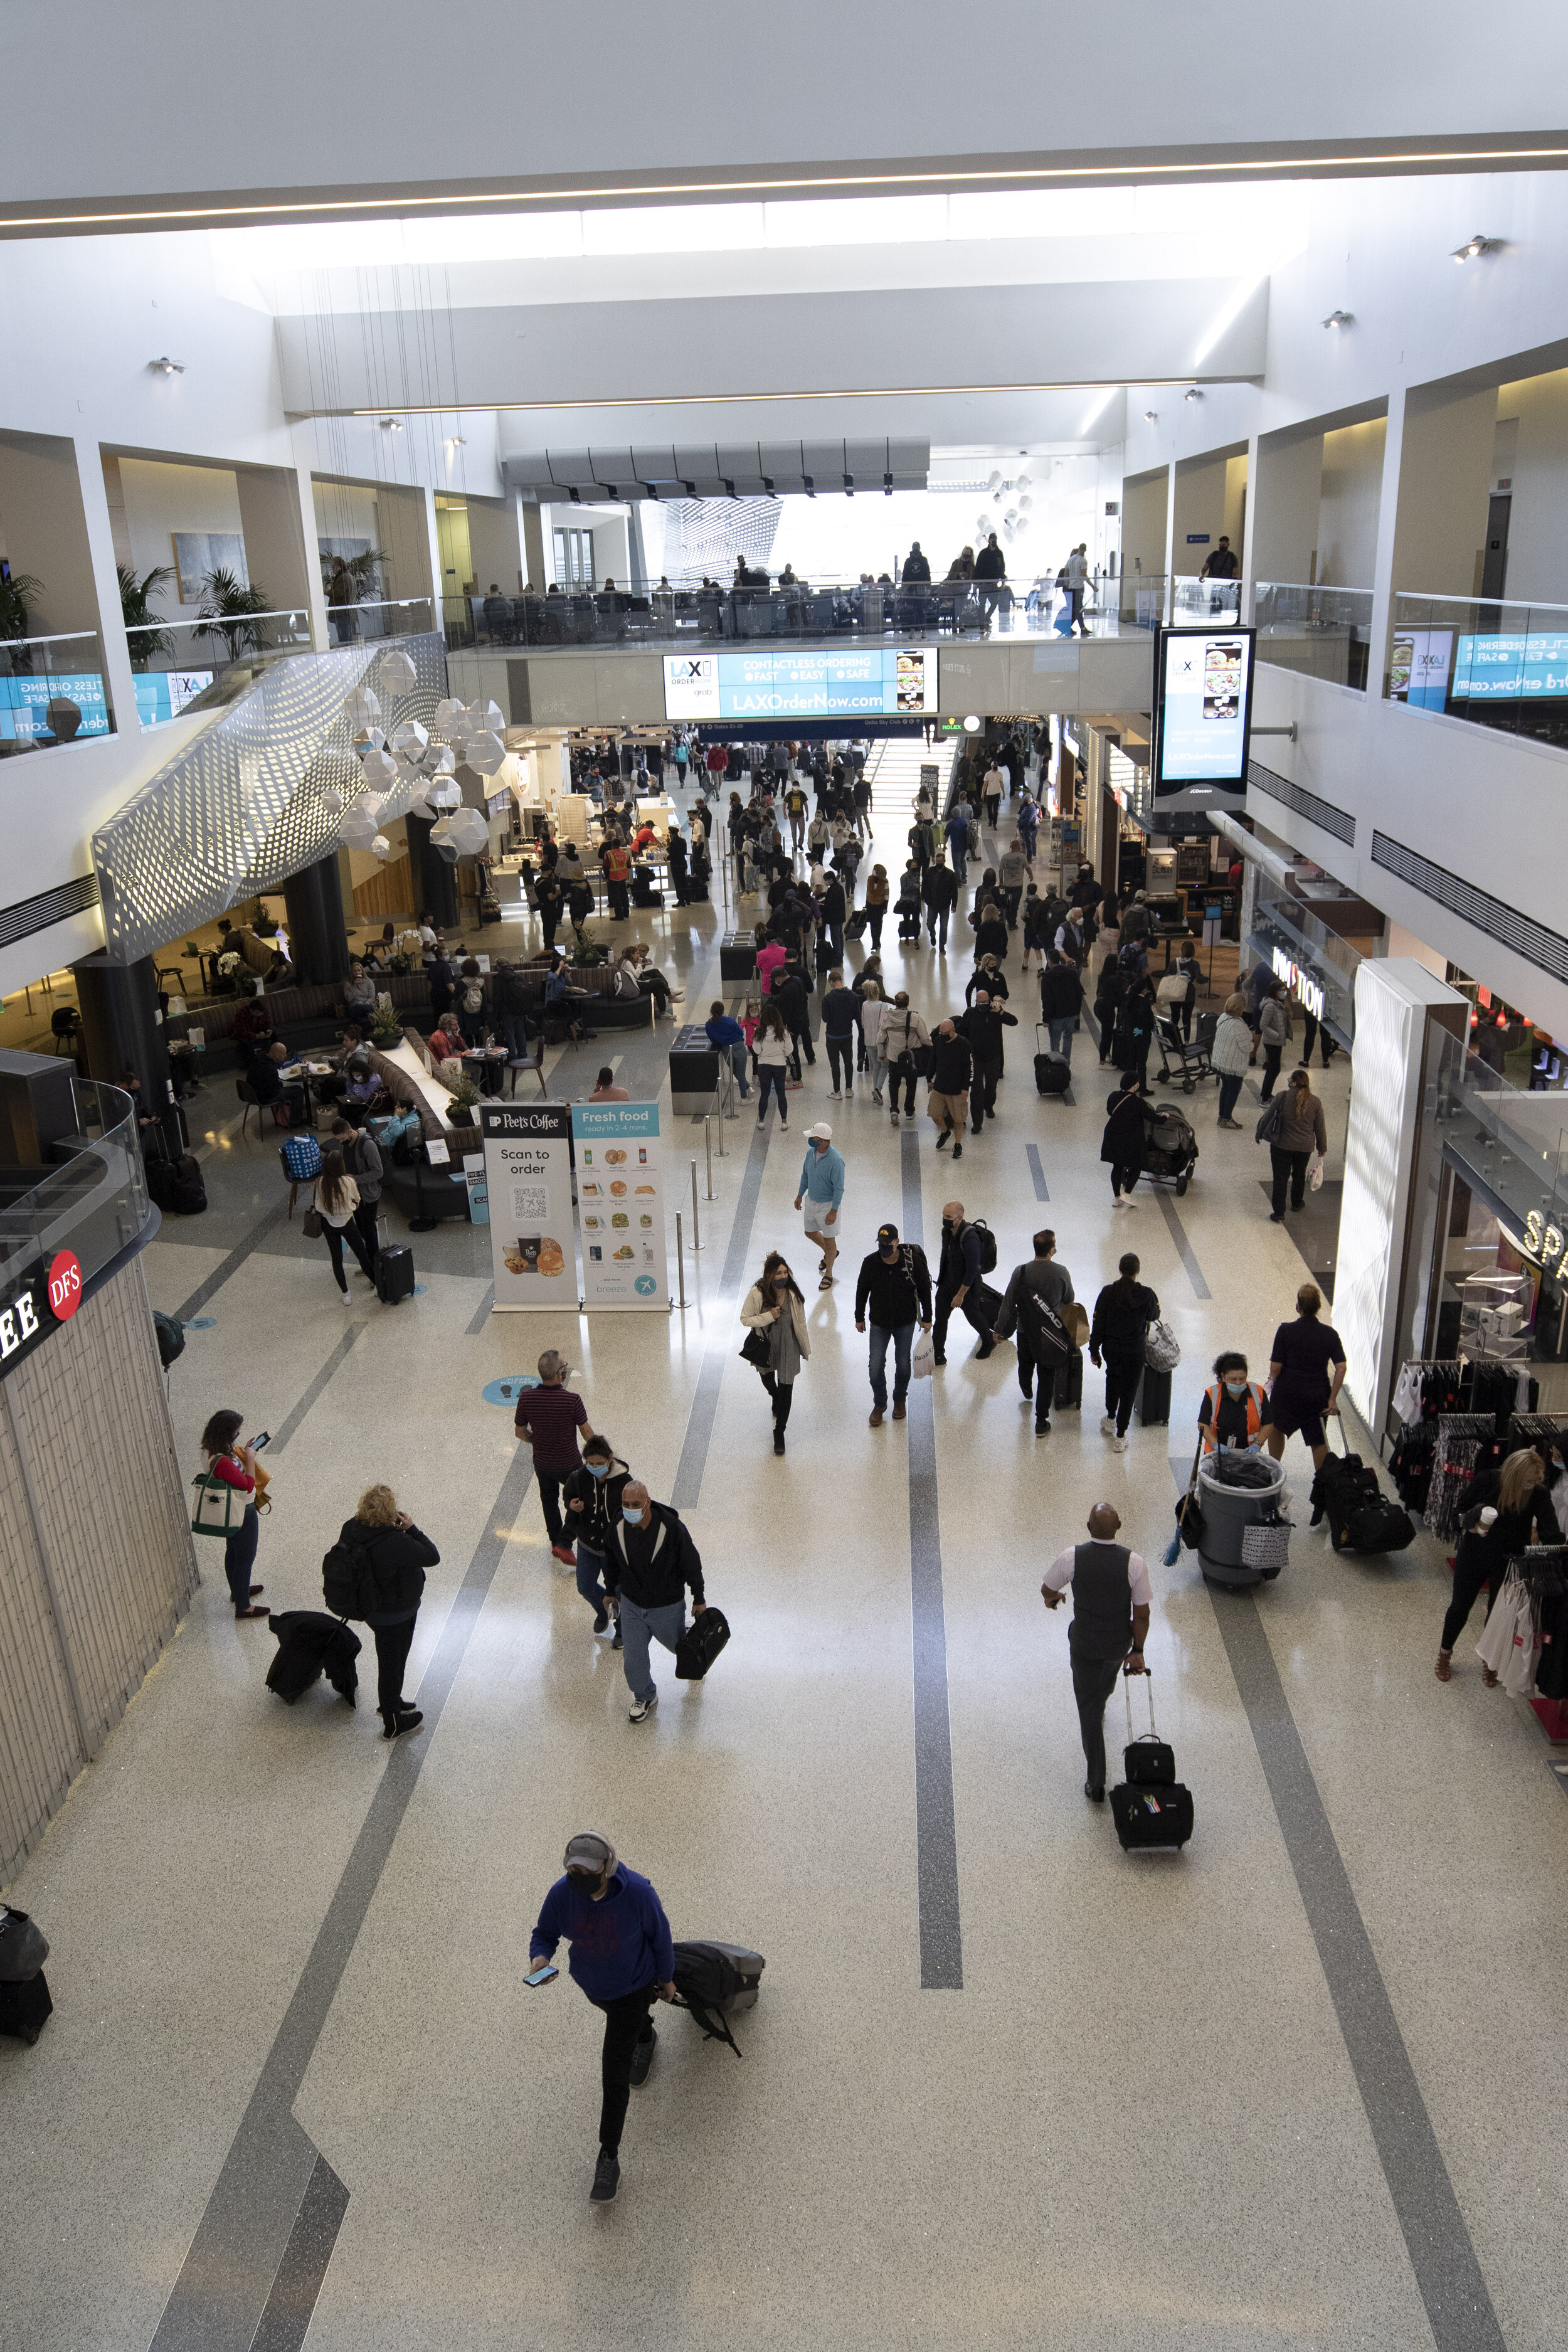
(384, 616)
(816, 609)
(1323, 632)
(1140, 598)
(94, 1203)
(1194, 600)
(176, 662)
(1286, 934)
(1494, 663)
(1512, 1143)
(52, 691)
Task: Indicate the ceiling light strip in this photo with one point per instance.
(705, 399)
(936, 179)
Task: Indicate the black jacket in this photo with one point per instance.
(896, 1294)
(991, 565)
(990, 936)
(601, 1501)
(994, 984)
(983, 1026)
(1061, 992)
(917, 570)
(1125, 1128)
(938, 887)
(959, 1267)
(398, 1559)
(674, 1565)
(1118, 1324)
(952, 1064)
(788, 992)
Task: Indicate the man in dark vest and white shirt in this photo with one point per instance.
(1111, 1601)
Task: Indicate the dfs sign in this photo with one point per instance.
(30, 1312)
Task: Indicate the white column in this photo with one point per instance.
(1250, 537)
(1170, 538)
(1383, 566)
(118, 676)
(315, 594)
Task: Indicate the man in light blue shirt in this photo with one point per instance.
(821, 1193)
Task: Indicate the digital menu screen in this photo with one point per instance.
(813, 682)
(1204, 698)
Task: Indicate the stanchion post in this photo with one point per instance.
(696, 1223)
(680, 1260)
(708, 1148)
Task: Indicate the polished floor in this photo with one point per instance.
(1005, 2087)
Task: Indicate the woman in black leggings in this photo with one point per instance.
(1122, 1313)
(770, 1046)
(1517, 1509)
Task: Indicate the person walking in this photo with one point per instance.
(1011, 876)
(793, 998)
(616, 861)
(960, 1283)
(1122, 1313)
(1508, 1510)
(947, 1096)
(983, 1026)
(878, 891)
(336, 1201)
(1038, 1277)
(510, 995)
(1077, 582)
(1129, 1117)
(234, 1464)
(548, 1418)
(939, 892)
(1229, 1055)
(991, 786)
(591, 1494)
(1061, 1003)
(361, 1163)
(725, 1034)
(1111, 1601)
(1235, 1410)
(623, 1957)
(1135, 1028)
(1295, 1128)
(840, 1033)
(1305, 1372)
(904, 1036)
(874, 1009)
(1273, 1034)
(1109, 992)
(471, 1001)
(821, 1190)
(774, 1307)
(394, 1555)
(894, 1286)
(770, 1047)
(650, 1562)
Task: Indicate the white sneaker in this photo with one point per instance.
(1119, 1445)
(834, 1096)
(1108, 1425)
(641, 1709)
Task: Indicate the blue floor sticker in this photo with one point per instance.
(506, 1391)
(420, 1288)
(201, 1323)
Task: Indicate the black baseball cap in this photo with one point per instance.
(887, 1233)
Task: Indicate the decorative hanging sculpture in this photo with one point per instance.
(445, 795)
(486, 752)
(447, 713)
(369, 739)
(410, 739)
(469, 831)
(440, 760)
(398, 675)
(381, 847)
(332, 802)
(380, 771)
(361, 708)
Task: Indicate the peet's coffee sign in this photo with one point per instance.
(37, 1305)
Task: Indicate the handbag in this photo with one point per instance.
(1189, 1516)
(313, 1224)
(1161, 1349)
(700, 1644)
(754, 1348)
(923, 1060)
(220, 1508)
(1265, 1544)
(24, 1946)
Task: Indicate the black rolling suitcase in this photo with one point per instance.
(310, 1643)
(1067, 1395)
(1052, 1074)
(26, 2007)
(1151, 1808)
(394, 1274)
(1154, 1398)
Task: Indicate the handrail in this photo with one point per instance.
(60, 637)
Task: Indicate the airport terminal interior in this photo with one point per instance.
(935, 665)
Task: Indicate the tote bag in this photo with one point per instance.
(219, 1508)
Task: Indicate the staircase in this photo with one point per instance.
(893, 772)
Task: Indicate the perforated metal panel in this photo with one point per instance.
(242, 807)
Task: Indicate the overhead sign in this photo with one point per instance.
(620, 1196)
(528, 1183)
(806, 682)
(35, 1306)
(1300, 983)
(1203, 709)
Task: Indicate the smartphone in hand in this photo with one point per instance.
(258, 1443)
(542, 1976)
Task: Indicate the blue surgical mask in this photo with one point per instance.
(633, 1518)
(598, 1469)
(1235, 1388)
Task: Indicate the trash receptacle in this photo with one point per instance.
(1228, 1511)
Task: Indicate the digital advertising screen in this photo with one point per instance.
(1418, 668)
(1203, 701)
(813, 682)
(1525, 667)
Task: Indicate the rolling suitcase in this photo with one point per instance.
(395, 1274)
(1052, 1074)
(1154, 1398)
(1152, 1809)
(26, 2007)
(1068, 1393)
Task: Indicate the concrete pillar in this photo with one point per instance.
(45, 532)
(1445, 483)
(533, 546)
(121, 1029)
(435, 879)
(495, 542)
(1170, 538)
(275, 543)
(318, 939)
(1286, 494)
(1249, 573)
(303, 491)
(638, 559)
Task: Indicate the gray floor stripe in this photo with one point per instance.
(255, 2214)
(1042, 1190)
(1459, 2306)
(292, 2305)
(231, 1263)
(936, 1827)
(281, 1437)
(482, 1312)
(1183, 1247)
(723, 1341)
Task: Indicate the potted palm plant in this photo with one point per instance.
(18, 595)
(227, 605)
(143, 635)
(464, 1095)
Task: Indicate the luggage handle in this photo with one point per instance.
(1127, 1681)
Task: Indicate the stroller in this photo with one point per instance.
(1170, 1149)
(1185, 1058)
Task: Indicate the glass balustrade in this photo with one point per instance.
(176, 663)
(386, 617)
(52, 691)
(1193, 601)
(1323, 632)
(95, 1202)
(1484, 660)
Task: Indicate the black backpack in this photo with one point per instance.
(349, 1586)
(987, 1243)
(170, 1338)
(715, 1981)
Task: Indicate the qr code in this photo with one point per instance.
(530, 1202)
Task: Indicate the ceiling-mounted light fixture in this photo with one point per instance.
(1151, 417)
(1192, 393)
(456, 441)
(972, 726)
(1338, 319)
(1472, 249)
(167, 366)
(392, 424)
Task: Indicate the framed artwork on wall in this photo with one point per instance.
(198, 553)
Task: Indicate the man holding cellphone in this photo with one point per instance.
(622, 1956)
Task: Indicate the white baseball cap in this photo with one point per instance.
(820, 1133)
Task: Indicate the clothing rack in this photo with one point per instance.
(1543, 1572)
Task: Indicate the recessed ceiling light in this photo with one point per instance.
(391, 424)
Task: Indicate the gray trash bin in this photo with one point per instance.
(1229, 1512)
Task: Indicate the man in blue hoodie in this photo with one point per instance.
(623, 1957)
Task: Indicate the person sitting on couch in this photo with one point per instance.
(446, 1044)
(359, 994)
(253, 1023)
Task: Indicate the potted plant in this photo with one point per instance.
(226, 973)
(17, 596)
(226, 605)
(143, 635)
(464, 1095)
(385, 1025)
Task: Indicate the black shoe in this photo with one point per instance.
(939, 1359)
(944, 1138)
(642, 2058)
(601, 1619)
(1275, 1218)
(1042, 1429)
(1095, 1796)
(617, 1643)
(958, 1151)
(988, 1349)
(778, 1441)
(606, 2181)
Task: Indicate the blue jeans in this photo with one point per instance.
(904, 1340)
(638, 1628)
(591, 1578)
(737, 1064)
(239, 1557)
(1229, 1087)
(1061, 1037)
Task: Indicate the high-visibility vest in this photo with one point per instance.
(1211, 1404)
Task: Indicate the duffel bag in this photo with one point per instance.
(1378, 1526)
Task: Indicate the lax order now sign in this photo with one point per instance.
(527, 1175)
(620, 1198)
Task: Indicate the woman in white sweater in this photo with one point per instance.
(903, 1032)
(770, 1047)
(1229, 1055)
(337, 1198)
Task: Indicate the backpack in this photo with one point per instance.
(170, 1338)
(1131, 955)
(715, 1981)
(987, 1243)
(302, 1159)
(348, 1581)
(473, 998)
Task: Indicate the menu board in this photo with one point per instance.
(806, 682)
(1204, 703)
(620, 1199)
(528, 1187)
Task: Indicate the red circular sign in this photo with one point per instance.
(65, 1285)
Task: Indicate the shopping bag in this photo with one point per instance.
(922, 1360)
(219, 1508)
(1315, 1173)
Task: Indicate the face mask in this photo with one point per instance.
(633, 1518)
(1235, 1388)
(598, 1469)
(584, 1886)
